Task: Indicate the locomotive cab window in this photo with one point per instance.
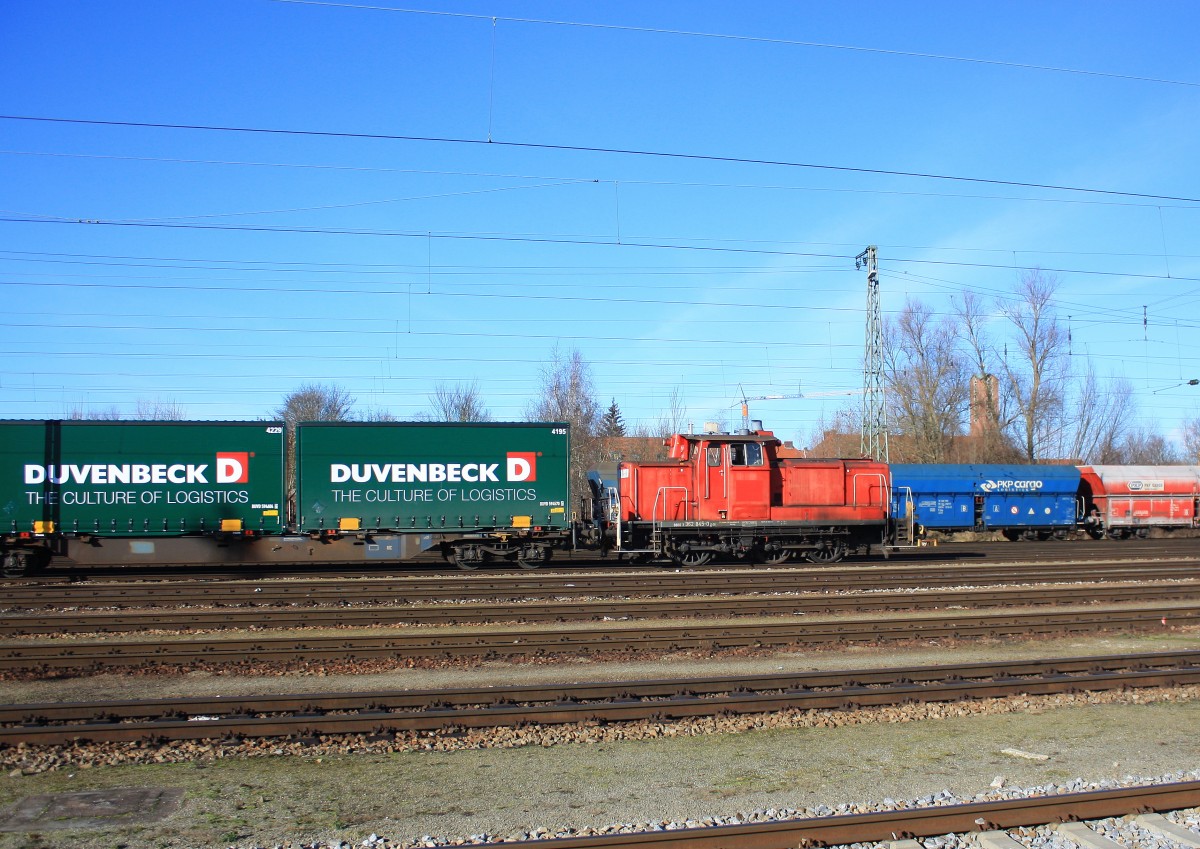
(714, 455)
(745, 454)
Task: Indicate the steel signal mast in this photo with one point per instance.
(874, 428)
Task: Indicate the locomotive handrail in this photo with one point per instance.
(876, 475)
(613, 510)
(661, 495)
(909, 517)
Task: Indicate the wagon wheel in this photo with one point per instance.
(533, 556)
(691, 558)
(832, 554)
(16, 564)
(470, 557)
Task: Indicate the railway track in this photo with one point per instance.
(390, 712)
(564, 563)
(221, 618)
(61, 655)
(988, 817)
(475, 586)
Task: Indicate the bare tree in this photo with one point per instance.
(315, 402)
(927, 383)
(144, 410)
(1097, 419)
(1145, 447)
(568, 395)
(310, 402)
(1055, 412)
(95, 414)
(674, 418)
(460, 403)
(1036, 376)
(838, 435)
(377, 414)
(160, 411)
(1191, 440)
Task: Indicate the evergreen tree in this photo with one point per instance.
(612, 424)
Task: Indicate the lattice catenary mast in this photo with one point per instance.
(874, 427)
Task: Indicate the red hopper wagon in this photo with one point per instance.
(1124, 501)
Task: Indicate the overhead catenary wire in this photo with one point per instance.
(704, 184)
(578, 148)
(627, 244)
(1027, 66)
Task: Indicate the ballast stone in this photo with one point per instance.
(1176, 833)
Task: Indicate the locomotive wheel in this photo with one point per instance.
(692, 558)
(832, 554)
(533, 556)
(775, 558)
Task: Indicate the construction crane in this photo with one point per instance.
(745, 402)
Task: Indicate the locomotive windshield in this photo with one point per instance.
(745, 454)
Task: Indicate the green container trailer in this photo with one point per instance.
(486, 490)
(140, 479)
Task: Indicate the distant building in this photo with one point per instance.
(984, 405)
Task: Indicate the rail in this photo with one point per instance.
(401, 711)
(893, 825)
(465, 642)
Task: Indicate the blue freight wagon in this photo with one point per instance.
(1027, 502)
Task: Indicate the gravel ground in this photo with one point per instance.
(342, 793)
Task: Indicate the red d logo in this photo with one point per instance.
(233, 467)
(522, 466)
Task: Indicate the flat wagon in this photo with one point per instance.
(473, 491)
(111, 492)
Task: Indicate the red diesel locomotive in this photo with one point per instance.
(736, 495)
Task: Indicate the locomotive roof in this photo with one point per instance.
(736, 436)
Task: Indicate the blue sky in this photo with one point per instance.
(217, 269)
